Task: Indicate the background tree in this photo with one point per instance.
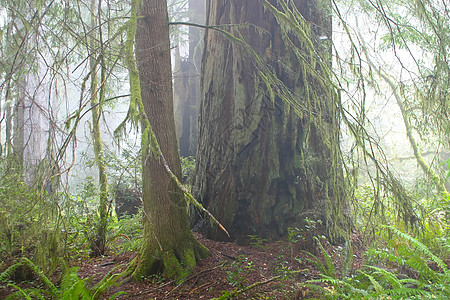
(267, 159)
(187, 82)
(168, 244)
(96, 58)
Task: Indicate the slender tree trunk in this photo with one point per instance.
(8, 131)
(19, 125)
(8, 114)
(98, 242)
(27, 82)
(260, 166)
(168, 244)
(187, 83)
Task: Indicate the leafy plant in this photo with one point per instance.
(327, 268)
(257, 241)
(72, 286)
(283, 267)
(406, 274)
(187, 168)
(125, 235)
(237, 275)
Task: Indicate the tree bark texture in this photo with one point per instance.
(260, 166)
(168, 244)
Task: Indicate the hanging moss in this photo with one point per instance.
(318, 109)
(136, 113)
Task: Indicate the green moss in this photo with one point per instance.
(172, 267)
(201, 251)
(136, 113)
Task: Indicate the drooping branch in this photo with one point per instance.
(409, 131)
(156, 150)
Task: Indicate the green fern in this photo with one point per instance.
(374, 282)
(19, 292)
(107, 281)
(72, 286)
(387, 276)
(26, 262)
(418, 246)
(328, 268)
(9, 271)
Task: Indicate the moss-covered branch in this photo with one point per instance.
(439, 184)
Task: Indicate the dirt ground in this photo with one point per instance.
(229, 268)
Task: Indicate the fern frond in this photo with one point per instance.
(420, 265)
(315, 287)
(331, 270)
(315, 261)
(26, 262)
(19, 292)
(107, 281)
(375, 284)
(326, 269)
(10, 271)
(421, 248)
(408, 292)
(343, 288)
(51, 287)
(386, 275)
(77, 291)
(69, 278)
(38, 293)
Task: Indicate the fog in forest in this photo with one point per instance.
(307, 122)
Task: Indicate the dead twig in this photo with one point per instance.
(196, 275)
(259, 283)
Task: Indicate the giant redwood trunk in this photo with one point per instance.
(260, 166)
(168, 244)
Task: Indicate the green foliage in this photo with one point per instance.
(239, 269)
(429, 226)
(15, 199)
(227, 295)
(125, 235)
(71, 287)
(283, 267)
(125, 169)
(447, 166)
(407, 273)
(30, 218)
(257, 241)
(310, 227)
(327, 269)
(187, 168)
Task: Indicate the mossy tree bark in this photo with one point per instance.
(261, 166)
(168, 244)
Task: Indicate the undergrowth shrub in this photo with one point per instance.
(125, 234)
(430, 223)
(71, 287)
(405, 269)
(30, 218)
(238, 271)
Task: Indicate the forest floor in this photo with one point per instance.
(272, 270)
